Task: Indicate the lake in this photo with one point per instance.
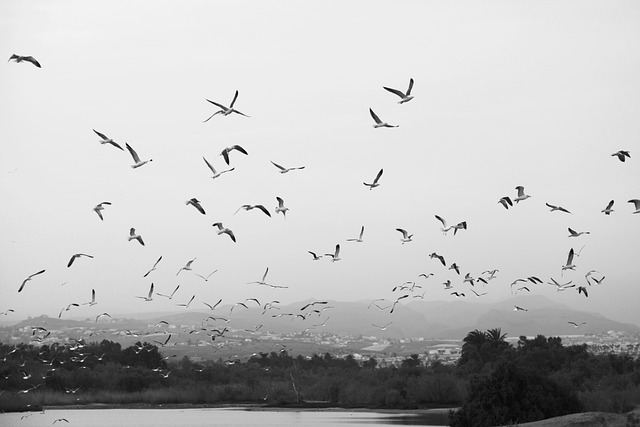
(198, 417)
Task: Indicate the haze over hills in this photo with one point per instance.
(441, 319)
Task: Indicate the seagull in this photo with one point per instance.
(224, 230)
(382, 328)
(133, 235)
(225, 153)
(404, 97)
(374, 184)
(380, 123)
(102, 314)
(186, 267)
(459, 226)
(105, 140)
(479, 294)
(582, 289)
(336, 255)
(196, 204)
(315, 257)
(636, 203)
(359, 239)
(187, 304)
(153, 268)
(261, 281)
(569, 265)
(608, 209)
(521, 195)
(98, 208)
(73, 304)
(19, 58)
(516, 308)
(444, 228)
(621, 155)
(440, 257)
(250, 207)
(168, 296)
(225, 111)
(149, 296)
(506, 202)
(573, 233)
(561, 287)
(29, 278)
(455, 267)
(396, 301)
(576, 325)
(426, 276)
(406, 237)
(285, 170)
(458, 295)
(206, 279)
(93, 299)
(557, 208)
(136, 158)
(447, 284)
(468, 279)
(74, 256)
(213, 170)
(281, 207)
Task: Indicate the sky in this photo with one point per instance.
(533, 94)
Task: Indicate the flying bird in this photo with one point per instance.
(636, 204)
(444, 228)
(19, 58)
(29, 278)
(134, 236)
(74, 256)
(374, 184)
(397, 300)
(506, 202)
(404, 97)
(102, 314)
(251, 207)
(224, 230)
(105, 140)
(621, 155)
(569, 265)
(336, 255)
(187, 304)
(153, 268)
(583, 290)
(315, 257)
(285, 170)
(225, 111)
(359, 239)
(516, 308)
(440, 257)
(281, 207)
(576, 325)
(98, 208)
(136, 158)
(379, 123)
(149, 296)
(382, 328)
(196, 204)
(521, 195)
(216, 174)
(573, 233)
(608, 209)
(206, 279)
(168, 296)
(557, 208)
(406, 237)
(187, 267)
(225, 153)
(458, 294)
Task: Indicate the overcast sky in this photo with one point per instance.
(507, 93)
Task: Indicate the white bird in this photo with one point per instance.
(28, 279)
(374, 184)
(187, 267)
(20, 58)
(251, 207)
(196, 204)
(99, 207)
(573, 233)
(336, 255)
(105, 140)
(379, 123)
(315, 257)
(406, 237)
(225, 153)
(397, 300)
(608, 209)
(557, 208)
(169, 296)
(74, 256)
(149, 296)
(359, 239)
(187, 304)
(285, 170)
(281, 207)
(621, 155)
(521, 195)
(261, 281)
(222, 229)
(133, 235)
(404, 97)
(216, 174)
(93, 299)
(136, 158)
(636, 203)
(152, 268)
(225, 111)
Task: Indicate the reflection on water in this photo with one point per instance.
(217, 416)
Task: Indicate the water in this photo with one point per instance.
(199, 417)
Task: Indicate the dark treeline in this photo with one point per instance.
(494, 383)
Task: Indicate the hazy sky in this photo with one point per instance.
(507, 93)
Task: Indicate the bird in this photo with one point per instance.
(212, 307)
(459, 226)
(506, 202)
(573, 233)
(458, 294)
(397, 300)
(444, 228)
(315, 256)
(98, 208)
(224, 230)
(382, 328)
(216, 174)
(196, 204)
(285, 170)
(583, 290)
(168, 296)
(576, 325)
(73, 304)
(206, 279)
(479, 294)
(404, 97)
(251, 207)
(569, 265)
(225, 153)
(426, 276)
(561, 287)
(74, 256)
(379, 123)
(455, 267)
(29, 278)
(557, 208)
(136, 158)
(20, 58)
(406, 237)
(281, 207)
(359, 239)
(225, 111)
(187, 266)
(261, 281)
(636, 204)
(105, 140)
(374, 184)
(93, 299)
(187, 304)
(149, 296)
(608, 209)
(621, 155)
(133, 235)
(153, 268)
(102, 314)
(521, 195)
(336, 255)
(440, 257)
(517, 308)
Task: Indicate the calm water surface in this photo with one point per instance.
(199, 417)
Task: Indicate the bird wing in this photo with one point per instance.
(217, 105)
(234, 100)
(396, 91)
(263, 209)
(610, 205)
(210, 166)
(277, 165)
(337, 254)
(73, 258)
(240, 149)
(520, 189)
(570, 257)
(133, 153)
(230, 233)
(375, 116)
(404, 232)
(101, 135)
(375, 181)
(444, 223)
(280, 202)
(410, 87)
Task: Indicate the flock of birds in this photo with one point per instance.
(406, 291)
